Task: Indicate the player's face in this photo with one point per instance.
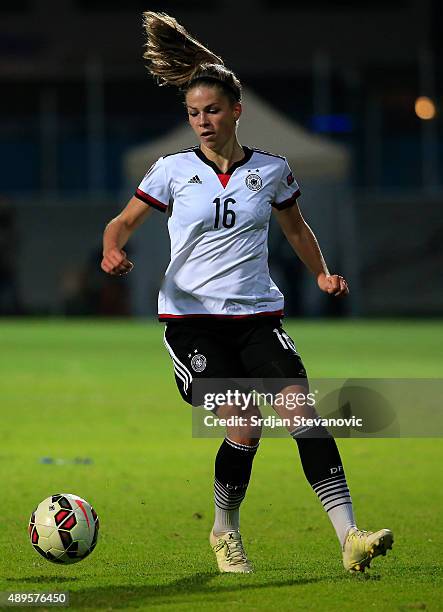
(212, 116)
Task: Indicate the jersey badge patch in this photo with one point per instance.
(198, 363)
(254, 182)
(196, 179)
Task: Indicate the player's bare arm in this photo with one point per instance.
(117, 233)
(303, 241)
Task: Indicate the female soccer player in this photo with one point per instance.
(221, 308)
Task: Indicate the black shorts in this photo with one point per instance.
(230, 349)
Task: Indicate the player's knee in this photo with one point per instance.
(243, 424)
(296, 399)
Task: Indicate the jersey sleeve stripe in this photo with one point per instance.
(287, 203)
(147, 199)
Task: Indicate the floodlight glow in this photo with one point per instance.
(425, 108)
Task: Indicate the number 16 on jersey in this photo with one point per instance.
(228, 216)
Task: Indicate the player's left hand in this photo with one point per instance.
(333, 284)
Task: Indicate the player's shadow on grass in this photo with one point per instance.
(125, 596)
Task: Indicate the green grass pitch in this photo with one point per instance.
(104, 390)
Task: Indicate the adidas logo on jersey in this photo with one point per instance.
(195, 179)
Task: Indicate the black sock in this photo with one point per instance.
(233, 466)
(323, 469)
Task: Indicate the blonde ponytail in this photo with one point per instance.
(174, 57)
(172, 54)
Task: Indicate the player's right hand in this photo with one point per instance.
(116, 263)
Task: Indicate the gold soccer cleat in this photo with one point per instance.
(229, 552)
(362, 546)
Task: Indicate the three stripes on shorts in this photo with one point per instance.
(181, 371)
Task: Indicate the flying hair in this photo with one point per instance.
(174, 57)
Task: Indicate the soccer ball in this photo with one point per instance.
(64, 528)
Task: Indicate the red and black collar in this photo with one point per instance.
(248, 154)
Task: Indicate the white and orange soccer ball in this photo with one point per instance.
(64, 528)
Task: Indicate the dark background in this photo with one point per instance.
(76, 97)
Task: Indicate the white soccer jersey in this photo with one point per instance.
(218, 225)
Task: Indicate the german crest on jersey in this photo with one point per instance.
(198, 363)
(253, 182)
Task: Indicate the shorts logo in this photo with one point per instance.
(254, 182)
(290, 179)
(198, 363)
